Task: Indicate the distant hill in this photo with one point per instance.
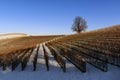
(12, 35)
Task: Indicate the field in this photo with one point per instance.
(11, 48)
(99, 48)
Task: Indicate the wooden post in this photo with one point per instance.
(46, 57)
(16, 62)
(57, 57)
(4, 66)
(26, 59)
(70, 55)
(35, 59)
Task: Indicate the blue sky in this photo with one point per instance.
(43, 17)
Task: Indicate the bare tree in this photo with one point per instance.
(79, 24)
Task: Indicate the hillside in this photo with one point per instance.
(12, 35)
(93, 55)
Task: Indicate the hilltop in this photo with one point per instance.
(12, 35)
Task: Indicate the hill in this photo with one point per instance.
(95, 54)
(12, 35)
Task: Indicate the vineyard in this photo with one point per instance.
(98, 48)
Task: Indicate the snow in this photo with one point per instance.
(7, 36)
(56, 72)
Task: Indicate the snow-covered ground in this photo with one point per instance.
(56, 72)
(13, 35)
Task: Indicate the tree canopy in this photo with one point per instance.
(79, 24)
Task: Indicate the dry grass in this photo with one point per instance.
(12, 45)
(97, 47)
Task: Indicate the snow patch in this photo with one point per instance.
(7, 36)
(56, 73)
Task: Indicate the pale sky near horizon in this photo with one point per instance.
(46, 17)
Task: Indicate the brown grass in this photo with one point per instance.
(15, 44)
(97, 47)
